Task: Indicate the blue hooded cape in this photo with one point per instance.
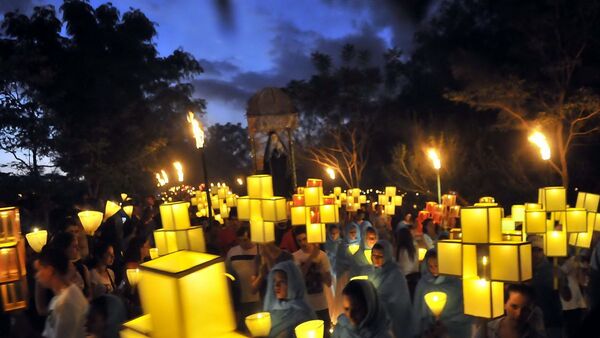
(331, 248)
(287, 314)
(344, 258)
(392, 290)
(375, 324)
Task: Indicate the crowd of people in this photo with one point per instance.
(366, 280)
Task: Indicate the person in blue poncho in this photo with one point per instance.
(344, 260)
(392, 289)
(332, 244)
(364, 315)
(284, 300)
(452, 319)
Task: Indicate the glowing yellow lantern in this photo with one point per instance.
(487, 199)
(316, 233)
(553, 198)
(110, 209)
(508, 224)
(313, 196)
(153, 253)
(10, 227)
(175, 215)
(243, 208)
(436, 301)
(510, 261)
(337, 191)
(361, 277)
(12, 261)
(483, 298)
(298, 215)
(259, 186)
(533, 206)
(329, 213)
(128, 209)
(273, 209)
(421, 253)
(140, 327)
(353, 248)
(481, 224)
(576, 220)
(588, 201)
(518, 213)
(555, 244)
(584, 239)
(188, 282)
(471, 262)
(449, 257)
(262, 232)
(133, 276)
(14, 294)
(259, 324)
(168, 241)
(535, 221)
(37, 239)
(90, 220)
(449, 200)
(310, 329)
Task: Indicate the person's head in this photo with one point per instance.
(104, 254)
(301, 239)
(404, 239)
(379, 209)
(359, 216)
(67, 243)
(370, 237)
(518, 302)
(432, 262)
(408, 218)
(334, 232)
(378, 255)
(51, 266)
(105, 316)
(280, 284)
(429, 227)
(354, 302)
(243, 237)
(352, 233)
(137, 251)
(537, 255)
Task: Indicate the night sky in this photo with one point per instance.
(260, 43)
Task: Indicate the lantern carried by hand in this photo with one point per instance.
(436, 301)
(90, 220)
(259, 324)
(37, 239)
(310, 329)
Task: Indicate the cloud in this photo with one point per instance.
(218, 68)
(24, 6)
(224, 91)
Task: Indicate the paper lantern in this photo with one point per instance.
(487, 199)
(175, 215)
(262, 232)
(555, 244)
(37, 239)
(110, 209)
(471, 262)
(361, 277)
(430, 206)
(259, 324)
(483, 298)
(421, 253)
(449, 200)
(298, 215)
(535, 221)
(140, 327)
(90, 220)
(243, 208)
(436, 301)
(353, 248)
(168, 241)
(337, 191)
(194, 299)
(454, 211)
(12, 261)
(260, 186)
(588, 201)
(553, 198)
(273, 209)
(510, 261)
(128, 209)
(310, 329)
(316, 233)
(10, 227)
(481, 224)
(533, 206)
(231, 200)
(153, 253)
(576, 220)
(329, 213)
(313, 196)
(14, 295)
(518, 213)
(508, 224)
(513, 236)
(368, 253)
(449, 257)
(133, 276)
(584, 239)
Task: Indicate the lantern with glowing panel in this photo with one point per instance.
(13, 275)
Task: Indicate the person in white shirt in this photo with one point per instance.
(67, 309)
(316, 270)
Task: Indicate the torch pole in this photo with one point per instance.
(206, 185)
(439, 187)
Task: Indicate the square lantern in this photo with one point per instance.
(588, 201)
(14, 295)
(313, 196)
(508, 224)
(535, 221)
(168, 241)
(175, 215)
(576, 220)
(10, 224)
(510, 261)
(298, 215)
(450, 257)
(584, 239)
(481, 224)
(140, 327)
(260, 186)
(12, 261)
(329, 213)
(483, 298)
(470, 261)
(261, 231)
(449, 200)
(555, 244)
(553, 198)
(517, 213)
(273, 209)
(316, 233)
(533, 206)
(194, 299)
(243, 208)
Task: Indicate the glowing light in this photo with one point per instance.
(179, 169)
(239, 181)
(435, 158)
(196, 130)
(165, 177)
(330, 172)
(540, 141)
(484, 260)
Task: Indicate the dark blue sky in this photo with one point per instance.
(267, 43)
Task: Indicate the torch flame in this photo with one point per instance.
(179, 169)
(197, 130)
(540, 141)
(165, 177)
(160, 180)
(330, 172)
(433, 156)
